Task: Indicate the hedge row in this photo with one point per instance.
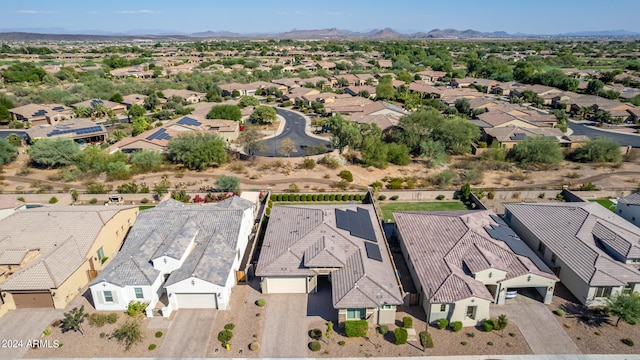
(317, 197)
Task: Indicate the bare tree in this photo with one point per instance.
(287, 146)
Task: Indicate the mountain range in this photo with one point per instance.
(332, 33)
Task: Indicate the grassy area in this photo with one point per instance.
(606, 203)
(145, 207)
(387, 208)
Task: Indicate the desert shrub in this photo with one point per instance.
(588, 187)
(491, 195)
(356, 328)
(261, 302)
(382, 197)
(401, 336)
(112, 318)
(152, 347)
(512, 334)
(229, 326)
(407, 322)
(21, 199)
(103, 335)
(426, 340)
(93, 201)
(628, 342)
(346, 175)
(136, 308)
(97, 319)
(541, 195)
(308, 164)
(383, 329)
(463, 343)
(144, 201)
(490, 343)
(129, 333)
(456, 326)
(254, 346)
(342, 343)
(53, 200)
(488, 325)
(225, 336)
(443, 323)
(559, 312)
(502, 322)
(315, 346)
(158, 334)
(440, 197)
(394, 197)
(315, 334)
(46, 331)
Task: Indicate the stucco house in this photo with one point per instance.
(628, 208)
(463, 261)
(39, 114)
(343, 245)
(48, 254)
(178, 256)
(594, 252)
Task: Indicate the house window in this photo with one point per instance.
(100, 254)
(541, 248)
(603, 291)
(356, 314)
(471, 312)
(385, 307)
(553, 258)
(108, 297)
(139, 294)
(627, 289)
(443, 307)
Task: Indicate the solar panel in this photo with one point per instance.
(508, 236)
(498, 219)
(518, 136)
(373, 251)
(189, 121)
(95, 102)
(358, 223)
(58, 108)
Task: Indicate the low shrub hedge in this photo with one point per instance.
(426, 340)
(383, 329)
(315, 346)
(488, 325)
(356, 328)
(456, 326)
(407, 322)
(401, 336)
(443, 323)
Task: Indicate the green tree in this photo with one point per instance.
(457, 134)
(385, 91)
(151, 101)
(417, 127)
(117, 97)
(227, 112)
(14, 140)
(8, 152)
(463, 106)
(594, 87)
(146, 160)
(73, 320)
(599, 150)
(140, 125)
(23, 72)
(523, 71)
(344, 133)
(398, 154)
(251, 140)
(197, 151)
(537, 150)
(136, 111)
(374, 152)
(287, 146)
(264, 115)
(53, 153)
(228, 183)
(129, 333)
(248, 101)
(117, 135)
(434, 152)
(626, 306)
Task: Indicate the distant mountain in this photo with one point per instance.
(58, 34)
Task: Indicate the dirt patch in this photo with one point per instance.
(593, 333)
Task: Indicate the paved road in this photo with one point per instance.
(540, 329)
(285, 326)
(295, 130)
(592, 132)
(189, 334)
(24, 325)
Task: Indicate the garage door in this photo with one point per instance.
(297, 285)
(33, 300)
(196, 301)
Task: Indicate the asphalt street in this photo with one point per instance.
(592, 132)
(295, 130)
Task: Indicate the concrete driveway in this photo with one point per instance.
(24, 325)
(285, 326)
(189, 334)
(539, 328)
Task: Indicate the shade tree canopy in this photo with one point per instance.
(264, 115)
(53, 152)
(197, 151)
(226, 112)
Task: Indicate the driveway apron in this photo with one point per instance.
(285, 326)
(189, 333)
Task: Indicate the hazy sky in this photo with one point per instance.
(253, 16)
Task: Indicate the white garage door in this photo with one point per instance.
(196, 301)
(295, 285)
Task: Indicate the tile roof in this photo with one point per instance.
(447, 248)
(300, 238)
(63, 238)
(633, 199)
(168, 229)
(584, 236)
